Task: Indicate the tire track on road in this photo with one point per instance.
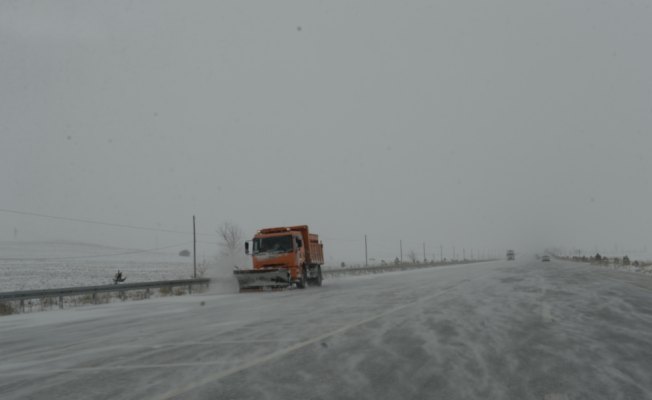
(175, 393)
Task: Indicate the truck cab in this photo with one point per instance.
(278, 250)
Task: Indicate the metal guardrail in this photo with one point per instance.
(21, 296)
(389, 268)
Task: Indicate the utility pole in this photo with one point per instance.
(463, 253)
(424, 252)
(194, 249)
(400, 243)
(441, 253)
(366, 259)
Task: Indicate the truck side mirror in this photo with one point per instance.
(246, 247)
(299, 244)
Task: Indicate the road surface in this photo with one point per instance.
(521, 329)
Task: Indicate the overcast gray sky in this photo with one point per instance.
(477, 124)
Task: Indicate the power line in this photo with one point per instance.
(93, 222)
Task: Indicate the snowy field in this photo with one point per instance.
(499, 330)
(43, 265)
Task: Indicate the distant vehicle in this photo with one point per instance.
(281, 257)
(545, 258)
(510, 255)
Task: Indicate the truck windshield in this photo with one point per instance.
(274, 244)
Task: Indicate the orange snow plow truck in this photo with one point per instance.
(282, 257)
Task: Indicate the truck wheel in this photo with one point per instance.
(318, 279)
(302, 282)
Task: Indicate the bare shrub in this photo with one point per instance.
(412, 256)
(231, 241)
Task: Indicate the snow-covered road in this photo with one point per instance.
(502, 330)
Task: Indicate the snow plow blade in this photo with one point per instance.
(262, 279)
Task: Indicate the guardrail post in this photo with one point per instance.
(22, 305)
(190, 289)
(94, 297)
